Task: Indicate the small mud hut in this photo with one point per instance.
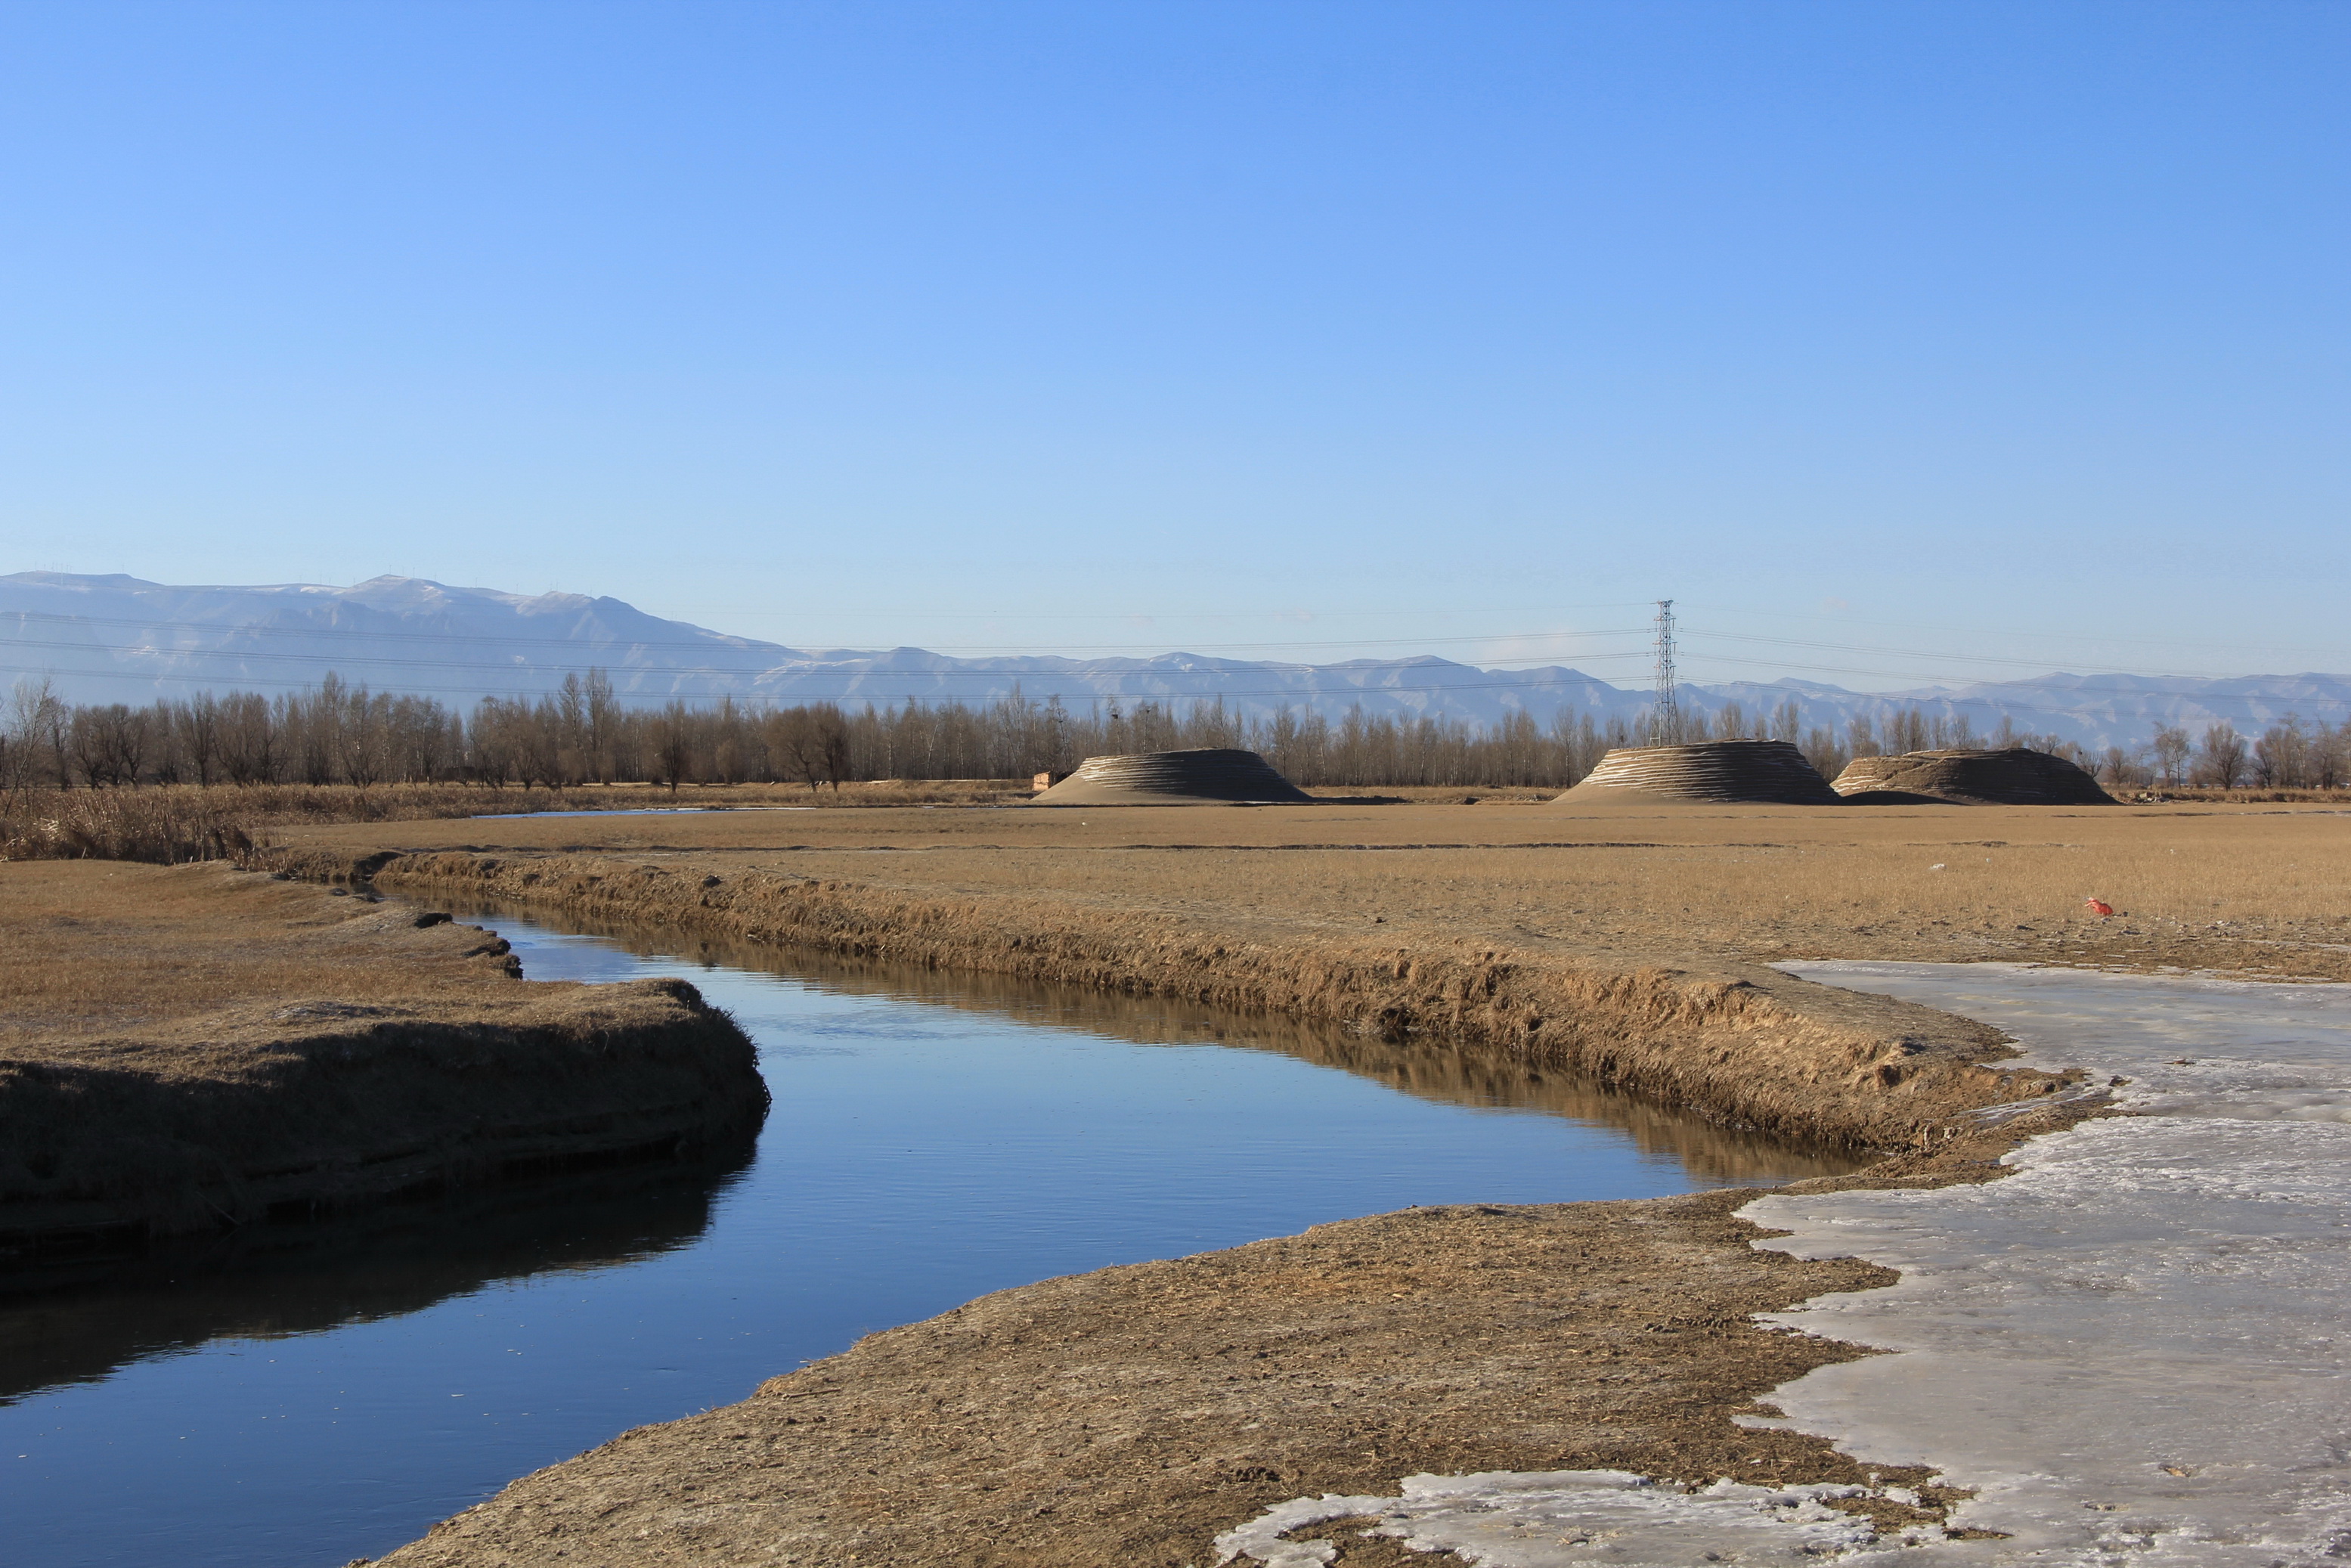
(1769, 772)
(1206, 777)
(2017, 776)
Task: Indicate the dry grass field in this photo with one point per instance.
(1122, 1418)
(2256, 889)
(189, 1046)
(94, 951)
(175, 823)
(1628, 941)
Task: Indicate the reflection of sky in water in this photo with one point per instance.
(915, 1156)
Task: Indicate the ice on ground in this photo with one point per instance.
(2189, 1046)
(1562, 1519)
(2136, 1349)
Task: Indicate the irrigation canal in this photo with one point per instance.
(297, 1398)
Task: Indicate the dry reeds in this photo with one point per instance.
(163, 827)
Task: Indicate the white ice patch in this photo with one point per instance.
(2136, 1350)
(1560, 1519)
(2190, 1046)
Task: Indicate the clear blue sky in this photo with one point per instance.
(2011, 330)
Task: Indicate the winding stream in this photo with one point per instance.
(299, 1396)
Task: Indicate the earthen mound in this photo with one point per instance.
(1209, 776)
(1764, 771)
(2018, 775)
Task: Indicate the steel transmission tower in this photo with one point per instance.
(1664, 716)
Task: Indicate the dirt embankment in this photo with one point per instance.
(186, 1048)
(1744, 1044)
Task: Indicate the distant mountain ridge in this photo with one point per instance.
(121, 639)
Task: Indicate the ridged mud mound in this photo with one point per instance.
(192, 1048)
(1767, 772)
(1744, 1044)
(2018, 775)
(1206, 777)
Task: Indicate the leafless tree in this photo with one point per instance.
(673, 748)
(2171, 749)
(2220, 761)
(2282, 756)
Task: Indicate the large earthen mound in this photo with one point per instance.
(1764, 771)
(1209, 776)
(2017, 776)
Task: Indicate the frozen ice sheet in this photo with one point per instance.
(2136, 1349)
(2189, 1045)
(1560, 1519)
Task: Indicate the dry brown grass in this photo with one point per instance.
(193, 1045)
(159, 826)
(170, 824)
(1744, 1043)
(2259, 889)
(1622, 940)
(120, 952)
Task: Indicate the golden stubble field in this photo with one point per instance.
(2258, 889)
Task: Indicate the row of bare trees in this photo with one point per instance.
(2289, 755)
(335, 733)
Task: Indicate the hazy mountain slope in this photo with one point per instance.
(110, 636)
(121, 638)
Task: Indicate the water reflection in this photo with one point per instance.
(77, 1323)
(1426, 1069)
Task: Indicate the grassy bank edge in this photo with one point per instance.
(1742, 1044)
(266, 1112)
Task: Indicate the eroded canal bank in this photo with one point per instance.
(933, 1139)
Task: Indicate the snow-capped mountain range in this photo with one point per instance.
(121, 638)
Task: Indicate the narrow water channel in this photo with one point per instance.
(295, 1399)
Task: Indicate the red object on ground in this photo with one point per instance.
(2099, 907)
